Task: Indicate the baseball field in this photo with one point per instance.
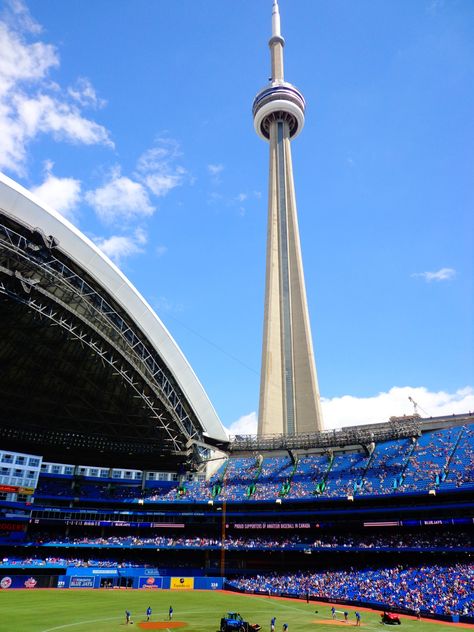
(198, 611)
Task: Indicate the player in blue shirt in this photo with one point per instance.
(170, 613)
(272, 624)
(148, 613)
(128, 616)
(357, 614)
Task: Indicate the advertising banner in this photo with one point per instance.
(28, 581)
(150, 582)
(182, 583)
(81, 581)
(208, 583)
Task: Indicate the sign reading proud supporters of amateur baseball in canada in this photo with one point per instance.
(182, 583)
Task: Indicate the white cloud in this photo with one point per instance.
(62, 194)
(119, 247)
(242, 197)
(348, 410)
(161, 250)
(245, 425)
(21, 61)
(444, 274)
(156, 168)
(120, 199)
(64, 121)
(30, 103)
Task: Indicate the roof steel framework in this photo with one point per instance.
(53, 295)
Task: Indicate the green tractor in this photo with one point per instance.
(234, 622)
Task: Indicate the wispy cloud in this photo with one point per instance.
(347, 410)
(215, 170)
(444, 274)
(119, 247)
(157, 168)
(16, 12)
(31, 104)
(163, 304)
(161, 250)
(119, 199)
(84, 93)
(435, 6)
(62, 194)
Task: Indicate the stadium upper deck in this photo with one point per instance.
(92, 371)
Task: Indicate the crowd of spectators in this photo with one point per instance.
(435, 589)
(446, 540)
(54, 561)
(442, 459)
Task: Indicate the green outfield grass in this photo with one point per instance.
(103, 611)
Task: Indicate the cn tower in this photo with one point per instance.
(289, 394)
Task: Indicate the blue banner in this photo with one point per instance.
(81, 581)
(150, 582)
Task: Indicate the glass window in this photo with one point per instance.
(56, 469)
(30, 474)
(104, 473)
(33, 462)
(7, 458)
(17, 472)
(20, 460)
(68, 470)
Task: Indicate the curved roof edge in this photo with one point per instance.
(26, 208)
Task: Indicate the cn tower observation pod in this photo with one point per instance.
(86, 363)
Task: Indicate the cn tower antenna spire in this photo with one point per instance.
(276, 31)
(276, 44)
(289, 394)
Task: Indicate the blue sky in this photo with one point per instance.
(133, 119)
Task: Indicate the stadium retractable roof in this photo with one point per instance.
(87, 369)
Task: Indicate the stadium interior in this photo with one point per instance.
(107, 444)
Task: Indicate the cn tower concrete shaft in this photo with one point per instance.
(289, 395)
